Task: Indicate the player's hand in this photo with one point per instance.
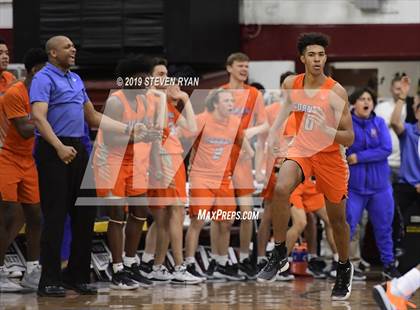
(405, 87)
(140, 132)
(352, 159)
(66, 153)
(418, 188)
(249, 133)
(153, 134)
(259, 177)
(174, 92)
(157, 93)
(318, 116)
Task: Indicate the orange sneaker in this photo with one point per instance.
(388, 301)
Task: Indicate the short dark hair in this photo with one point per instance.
(397, 77)
(133, 65)
(311, 38)
(33, 57)
(158, 61)
(258, 86)
(285, 75)
(236, 57)
(2, 41)
(213, 98)
(359, 92)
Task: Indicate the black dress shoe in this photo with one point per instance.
(82, 288)
(52, 291)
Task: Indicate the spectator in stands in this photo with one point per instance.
(408, 189)
(384, 110)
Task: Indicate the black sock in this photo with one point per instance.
(280, 247)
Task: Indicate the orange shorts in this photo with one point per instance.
(331, 173)
(124, 182)
(175, 193)
(306, 197)
(243, 180)
(18, 178)
(205, 197)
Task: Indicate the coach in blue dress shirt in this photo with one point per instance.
(60, 107)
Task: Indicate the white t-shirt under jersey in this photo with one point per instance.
(384, 110)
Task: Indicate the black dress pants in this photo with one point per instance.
(59, 186)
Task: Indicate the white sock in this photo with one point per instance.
(260, 259)
(213, 256)
(243, 256)
(156, 267)
(178, 267)
(310, 256)
(129, 261)
(117, 267)
(190, 260)
(146, 257)
(408, 283)
(222, 260)
(335, 257)
(30, 266)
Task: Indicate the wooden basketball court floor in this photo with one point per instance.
(303, 293)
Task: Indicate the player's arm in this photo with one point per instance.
(15, 110)
(260, 151)
(257, 130)
(39, 116)
(248, 148)
(188, 122)
(261, 117)
(96, 119)
(24, 126)
(113, 110)
(396, 120)
(273, 133)
(344, 134)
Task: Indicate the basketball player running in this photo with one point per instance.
(327, 164)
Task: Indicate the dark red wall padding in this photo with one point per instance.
(348, 42)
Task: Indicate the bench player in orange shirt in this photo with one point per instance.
(6, 79)
(211, 188)
(323, 122)
(249, 107)
(121, 169)
(18, 174)
(167, 187)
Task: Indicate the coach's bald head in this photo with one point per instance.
(61, 52)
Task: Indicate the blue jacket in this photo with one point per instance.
(372, 145)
